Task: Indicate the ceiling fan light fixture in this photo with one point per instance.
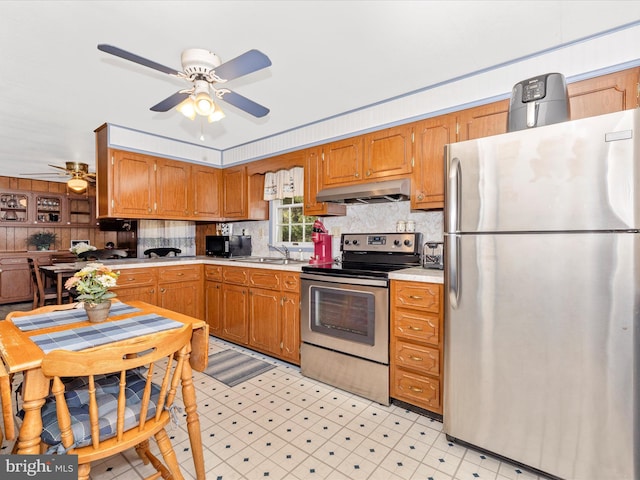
(77, 184)
(216, 115)
(204, 104)
(187, 108)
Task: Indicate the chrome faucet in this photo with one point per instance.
(283, 250)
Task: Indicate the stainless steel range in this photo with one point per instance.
(345, 312)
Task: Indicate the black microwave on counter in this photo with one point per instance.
(228, 245)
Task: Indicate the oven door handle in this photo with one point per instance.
(345, 280)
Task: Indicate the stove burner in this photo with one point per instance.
(373, 255)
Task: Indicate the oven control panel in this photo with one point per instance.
(408, 242)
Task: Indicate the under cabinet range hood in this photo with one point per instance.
(376, 192)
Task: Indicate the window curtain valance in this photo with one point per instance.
(284, 184)
(166, 233)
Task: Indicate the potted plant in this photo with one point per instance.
(42, 240)
(93, 283)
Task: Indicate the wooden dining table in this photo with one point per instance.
(22, 349)
(59, 273)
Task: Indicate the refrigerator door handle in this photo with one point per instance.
(453, 264)
(453, 196)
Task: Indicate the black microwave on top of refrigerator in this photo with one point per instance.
(228, 245)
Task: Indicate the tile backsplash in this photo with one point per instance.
(370, 218)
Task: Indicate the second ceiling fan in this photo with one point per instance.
(204, 70)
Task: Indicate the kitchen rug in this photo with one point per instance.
(232, 368)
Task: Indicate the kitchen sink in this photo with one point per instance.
(269, 260)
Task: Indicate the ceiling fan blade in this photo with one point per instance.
(118, 52)
(59, 168)
(243, 103)
(170, 102)
(248, 62)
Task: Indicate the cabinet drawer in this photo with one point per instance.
(136, 278)
(179, 274)
(239, 276)
(417, 357)
(290, 282)
(269, 279)
(417, 326)
(423, 296)
(213, 272)
(423, 392)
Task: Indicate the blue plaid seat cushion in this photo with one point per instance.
(107, 389)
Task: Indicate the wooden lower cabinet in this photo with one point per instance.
(265, 313)
(180, 289)
(15, 280)
(213, 298)
(274, 312)
(177, 288)
(235, 317)
(257, 308)
(138, 284)
(290, 346)
(417, 348)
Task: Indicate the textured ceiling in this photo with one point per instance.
(328, 57)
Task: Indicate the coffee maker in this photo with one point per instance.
(321, 245)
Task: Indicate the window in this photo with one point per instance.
(291, 226)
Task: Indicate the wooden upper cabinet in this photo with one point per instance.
(388, 152)
(313, 183)
(376, 155)
(172, 188)
(427, 181)
(133, 184)
(234, 192)
(342, 162)
(205, 193)
(483, 121)
(606, 94)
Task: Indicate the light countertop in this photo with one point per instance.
(416, 274)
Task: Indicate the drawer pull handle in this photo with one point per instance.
(416, 297)
(416, 389)
(415, 329)
(130, 279)
(180, 274)
(415, 359)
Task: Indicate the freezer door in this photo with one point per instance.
(541, 345)
(571, 176)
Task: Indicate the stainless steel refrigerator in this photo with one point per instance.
(542, 340)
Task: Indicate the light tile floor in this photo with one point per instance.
(281, 425)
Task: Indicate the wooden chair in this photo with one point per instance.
(41, 293)
(7, 407)
(162, 252)
(103, 254)
(104, 402)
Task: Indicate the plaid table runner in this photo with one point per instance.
(63, 317)
(102, 333)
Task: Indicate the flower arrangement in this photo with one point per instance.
(93, 283)
(81, 247)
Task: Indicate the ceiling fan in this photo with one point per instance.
(79, 173)
(204, 70)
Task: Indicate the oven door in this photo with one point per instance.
(347, 315)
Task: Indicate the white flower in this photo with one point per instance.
(81, 247)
